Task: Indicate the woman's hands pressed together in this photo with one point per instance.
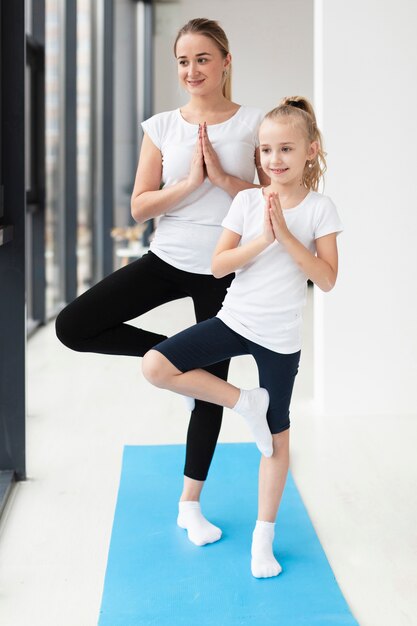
(215, 172)
(197, 170)
(205, 162)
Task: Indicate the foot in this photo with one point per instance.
(264, 563)
(253, 406)
(200, 530)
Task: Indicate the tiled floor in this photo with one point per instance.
(357, 477)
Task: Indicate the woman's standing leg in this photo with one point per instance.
(205, 423)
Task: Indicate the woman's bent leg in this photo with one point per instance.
(95, 321)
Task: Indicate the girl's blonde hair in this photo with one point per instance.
(212, 30)
(301, 110)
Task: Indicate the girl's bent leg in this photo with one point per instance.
(196, 383)
(272, 476)
(171, 366)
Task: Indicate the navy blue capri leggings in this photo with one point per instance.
(212, 341)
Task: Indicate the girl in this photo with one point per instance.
(274, 239)
(204, 154)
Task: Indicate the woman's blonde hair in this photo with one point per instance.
(301, 110)
(212, 30)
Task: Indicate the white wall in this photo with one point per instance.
(366, 90)
(271, 42)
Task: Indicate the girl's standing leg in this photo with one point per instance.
(277, 373)
(272, 476)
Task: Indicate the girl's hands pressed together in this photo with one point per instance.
(268, 232)
(279, 225)
(214, 169)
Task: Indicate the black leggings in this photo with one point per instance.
(95, 322)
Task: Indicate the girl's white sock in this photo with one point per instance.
(189, 403)
(264, 564)
(253, 406)
(200, 530)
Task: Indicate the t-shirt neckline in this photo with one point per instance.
(294, 208)
(209, 125)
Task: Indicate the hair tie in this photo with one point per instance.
(296, 105)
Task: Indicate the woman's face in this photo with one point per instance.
(201, 65)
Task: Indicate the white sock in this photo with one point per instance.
(253, 405)
(200, 530)
(264, 564)
(189, 403)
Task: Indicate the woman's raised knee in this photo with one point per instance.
(65, 330)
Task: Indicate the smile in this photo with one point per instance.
(276, 170)
(195, 83)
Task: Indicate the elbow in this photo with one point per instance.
(216, 270)
(135, 210)
(328, 284)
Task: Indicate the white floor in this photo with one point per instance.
(357, 477)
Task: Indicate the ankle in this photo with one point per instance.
(188, 505)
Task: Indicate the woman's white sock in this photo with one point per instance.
(264, 564)
(200, 530)
(253, 406)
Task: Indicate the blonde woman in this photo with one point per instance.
(204, 153)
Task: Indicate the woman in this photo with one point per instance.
(204, 154)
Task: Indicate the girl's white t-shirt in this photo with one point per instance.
(265, 300)
(187, 234)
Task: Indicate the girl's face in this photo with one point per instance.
(285, 151)
(201, 65)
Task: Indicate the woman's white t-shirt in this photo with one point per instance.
(265, 300)
(188, 233)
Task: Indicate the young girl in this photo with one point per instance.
(204, 153)
(274, 239)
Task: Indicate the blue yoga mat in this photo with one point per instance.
(155, 576)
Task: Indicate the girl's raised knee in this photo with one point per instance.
(153, 368)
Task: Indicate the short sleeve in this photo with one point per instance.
(327, 219)
(235, 216)
(152, 129)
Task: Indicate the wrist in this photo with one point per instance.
(286, 239)
(221, 181)
(190, 185)
(263, 242)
